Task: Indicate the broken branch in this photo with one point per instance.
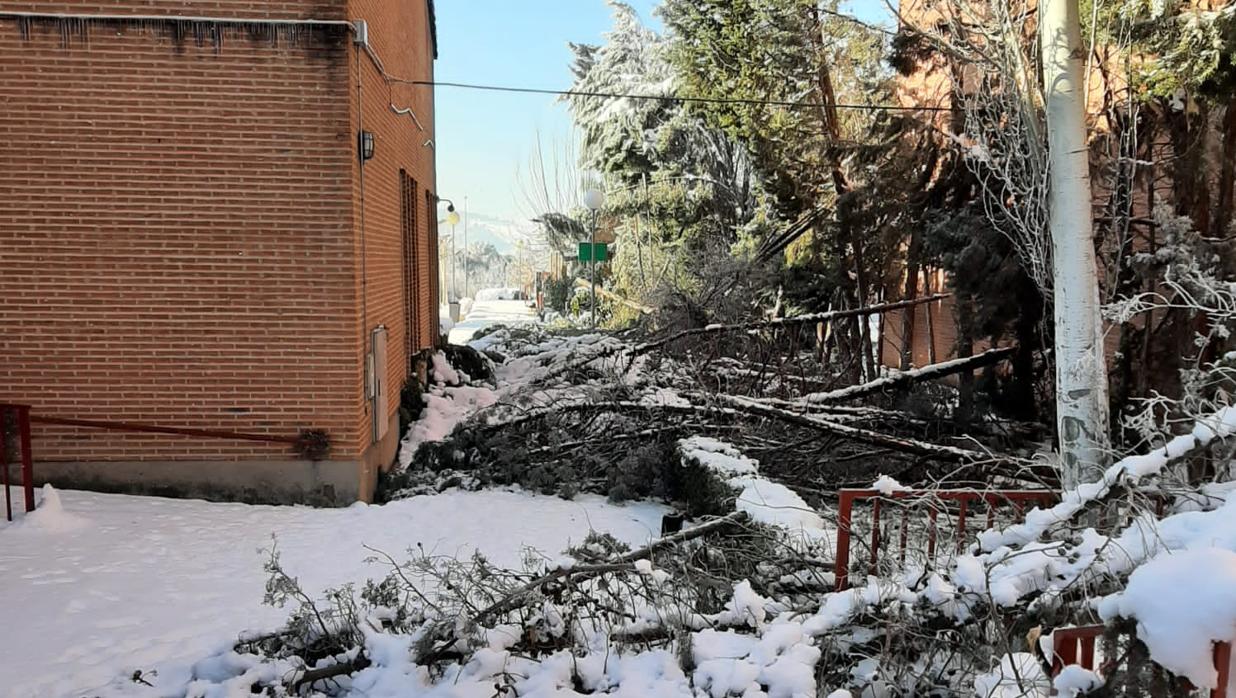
(902, 378)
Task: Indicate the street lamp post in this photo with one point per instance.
(594, 199)
(465, 249)
(452, 218)
(449, 272)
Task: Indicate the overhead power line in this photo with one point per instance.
(668, 98)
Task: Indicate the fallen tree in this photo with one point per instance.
(901, 379)
(587, 285)
(811, 318)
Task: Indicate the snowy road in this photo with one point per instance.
(491, 312)
(112, 583)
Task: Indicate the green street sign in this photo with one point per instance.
(585, 251)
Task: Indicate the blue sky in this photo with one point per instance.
(485, 138)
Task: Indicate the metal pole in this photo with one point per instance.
(4, 467)
(593, 263)
(454, 290)
(27, 456)
(465, 250)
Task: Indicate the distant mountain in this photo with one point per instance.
(502, 233)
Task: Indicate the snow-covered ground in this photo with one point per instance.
(486, 312)
(96, 586)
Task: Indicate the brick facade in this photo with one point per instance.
(181, 237)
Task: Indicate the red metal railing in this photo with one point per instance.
(310, 444)
(1076, 646)
(154, 429)
(20, 416)
(936, 500)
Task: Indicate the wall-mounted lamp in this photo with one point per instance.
(365, 145)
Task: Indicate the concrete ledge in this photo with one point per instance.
(318, 483)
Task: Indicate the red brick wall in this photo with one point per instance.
(175, 232)
(399, 36)
(245, 9)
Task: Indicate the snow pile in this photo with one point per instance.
(1017, 676)
(1179, 628)
(766, 501)
(50, 515)
(445, 408)
(498, 294)
(779, 662)
(1073, 681)
(393, 674)
(887, 486)
(443, 371)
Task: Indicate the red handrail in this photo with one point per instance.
(22, 415)
(845, 514)
(307, 443)
(153, 429)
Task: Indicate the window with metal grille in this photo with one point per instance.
(411, 256)
(435, 283)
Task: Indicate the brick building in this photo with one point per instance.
(191, 238)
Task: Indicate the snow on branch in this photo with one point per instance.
(1129, 470)
(901, 378)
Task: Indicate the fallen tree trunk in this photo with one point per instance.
(903, 378)
(732, 406)
(646, 310)
(895, 443)
(345, 668)
(624, 406)
(787, 321)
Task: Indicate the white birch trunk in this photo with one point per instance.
(1081, 370)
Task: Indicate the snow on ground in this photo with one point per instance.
(484, 313)
(498, 294)
(96, 586)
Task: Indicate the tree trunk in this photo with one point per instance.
(1081, 369)
(911, 292)
(965, 349)
(1227, 174)
(961, 365)
(841, 186)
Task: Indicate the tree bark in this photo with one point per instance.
(948, 368)
(911, 292)
(1081, 369)
(951, 454)
(964, 310)
(841, 186)
(1227, 174)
